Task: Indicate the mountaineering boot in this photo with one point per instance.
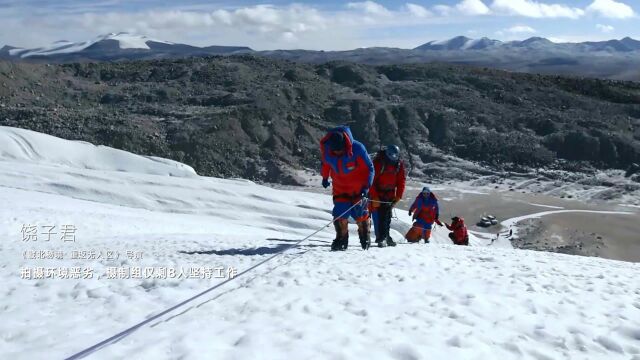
(390, 241)
(384, 223)
(365, 240)
(344, 244)
(365, 237)
(341, 241)
(336, 245)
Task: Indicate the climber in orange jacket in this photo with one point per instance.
(386, 192)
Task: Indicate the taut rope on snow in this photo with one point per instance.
(381, 202)
(106, 342)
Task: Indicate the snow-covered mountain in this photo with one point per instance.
(615, 59)
(460, 43)
(113, 46)
(120, 41)
(624, 45)
(137, 221)
(534, 43)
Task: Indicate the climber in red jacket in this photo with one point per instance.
(425, 211)
(347, 163)
(386, 192)
(458, 234)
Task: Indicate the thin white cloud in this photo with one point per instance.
(473, 7)
(611, 9)
(567, 38)
(521, 29)
(289, 36)
(418, 10)
(516, 32)
(535, 9)
(260, 26)
(266, 19)
(443, 10)
(369, 7)
(464, 8)
(605, 28)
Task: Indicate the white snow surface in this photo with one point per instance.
(125, 41)
(468, 44)
(25, 146)
(434, 301)
(631, 206)
(546, 206)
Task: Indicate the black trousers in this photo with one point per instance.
(384, 221)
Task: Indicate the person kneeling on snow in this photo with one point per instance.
(458, 233)
(425, 212)
(347, 163)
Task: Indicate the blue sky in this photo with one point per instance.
(329, 25)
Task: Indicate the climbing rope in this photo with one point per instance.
(106, 342)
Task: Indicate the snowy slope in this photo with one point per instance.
(125, 41)
(410, 302)
(25, 146)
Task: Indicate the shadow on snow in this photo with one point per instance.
(263, 250)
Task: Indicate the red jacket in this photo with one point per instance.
(426, 210)
(351, 172)
(459, 230)
(389, 181)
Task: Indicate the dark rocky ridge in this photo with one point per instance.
(258, 118)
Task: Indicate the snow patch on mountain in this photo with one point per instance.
(129, 41)
(125, 41)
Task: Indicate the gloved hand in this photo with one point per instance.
(325, 183)
(364, 193)
(410, 213)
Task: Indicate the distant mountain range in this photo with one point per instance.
(614, 59)
(113, 47)
(535, 43)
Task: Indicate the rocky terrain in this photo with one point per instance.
(260, 118)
